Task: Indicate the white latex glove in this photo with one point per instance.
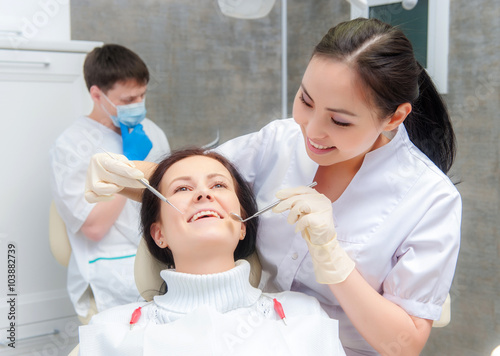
(107, 176)
(312, 212)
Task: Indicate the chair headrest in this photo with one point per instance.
(58, 237)
(147, 272)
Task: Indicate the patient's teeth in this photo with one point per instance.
(204, 213)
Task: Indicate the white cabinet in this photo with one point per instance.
(41, 92)
(22, 21)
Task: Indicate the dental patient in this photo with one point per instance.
(210, 307)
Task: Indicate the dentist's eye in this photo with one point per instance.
(340, 123)
(304, 100)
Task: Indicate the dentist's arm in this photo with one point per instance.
(107, 176)
(383, 324)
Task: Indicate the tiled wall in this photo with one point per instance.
(210, 71)
(474, 101)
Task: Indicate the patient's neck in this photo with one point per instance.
(204, 264)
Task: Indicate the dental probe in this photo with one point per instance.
(240, 219)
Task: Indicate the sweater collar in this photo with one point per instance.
(223, 291)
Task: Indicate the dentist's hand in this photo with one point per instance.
(312, 212)
(136, 144)
(107, 176)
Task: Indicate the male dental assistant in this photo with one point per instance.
(104, 236)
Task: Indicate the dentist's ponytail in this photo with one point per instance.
(429, 126)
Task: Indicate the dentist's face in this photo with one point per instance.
(334, 115)
(204, 190)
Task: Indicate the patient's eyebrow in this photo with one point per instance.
(209, 176)
(217, 175)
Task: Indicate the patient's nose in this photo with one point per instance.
(204, 195)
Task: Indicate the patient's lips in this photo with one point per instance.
(205, 214)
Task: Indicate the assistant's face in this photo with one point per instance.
(336, 119)
(204, 190)
(124, 93)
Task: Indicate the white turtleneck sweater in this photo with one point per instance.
(214, 314)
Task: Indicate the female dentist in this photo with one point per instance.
(370, 128)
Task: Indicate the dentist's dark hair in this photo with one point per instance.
(150, 210)
(107, 65)
(384, 61)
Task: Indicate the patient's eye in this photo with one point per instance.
(219, 185)
(181, 188)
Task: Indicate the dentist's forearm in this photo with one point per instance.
(383, 324)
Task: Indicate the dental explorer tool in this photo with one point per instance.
(240, 219)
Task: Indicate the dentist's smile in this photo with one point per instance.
(318, 149)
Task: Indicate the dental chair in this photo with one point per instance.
(445, 314)
(58, 237)
(61, 250)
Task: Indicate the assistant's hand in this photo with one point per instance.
(136, 144)
(107, 176)
(312, 212)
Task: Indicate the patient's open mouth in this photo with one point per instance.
(205, 214)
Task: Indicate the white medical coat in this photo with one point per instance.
(399, 220)
(108, 265)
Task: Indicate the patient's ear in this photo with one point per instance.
(243, 231)
(157, 234)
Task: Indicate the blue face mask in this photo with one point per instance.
(129, 115)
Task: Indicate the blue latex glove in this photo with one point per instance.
(136, 144)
